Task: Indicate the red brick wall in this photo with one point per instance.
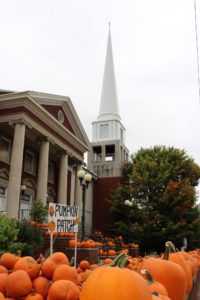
(102, 189)
(53, 110)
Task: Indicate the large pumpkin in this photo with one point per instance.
(18, 284)
(115, 282)
(170, 274)
(63, 290)
(28, 264)
(176, 257)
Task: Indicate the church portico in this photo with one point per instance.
(39, 145)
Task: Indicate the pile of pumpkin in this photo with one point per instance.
(169, 276)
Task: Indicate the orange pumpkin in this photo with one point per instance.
(127, 285)
(65, 272)
(51, 225)
(111, 252)
(3, 269)
(63, 290)
(41, 285)
(155, 296)
(18, 284)
(107, 261)
(84, 264)
(175, 257)
(8, 260)
(28, 264)
(154, 286)
(52, 262)
(2, 296)
(170, 274)
(191, 261)
(34, 296)
(3, 279)
(84, 275)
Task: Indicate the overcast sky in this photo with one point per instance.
(59, 46)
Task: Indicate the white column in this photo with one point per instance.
(14, 184)
(62, 181)
(43, 172)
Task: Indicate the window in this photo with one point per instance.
(51, 172)
(104, 131)
(110, 153)
(29, 163)
(5, 148)
(97, 153)
(2, 199)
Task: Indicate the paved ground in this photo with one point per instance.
(195, 293)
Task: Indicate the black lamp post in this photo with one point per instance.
(85, 179)
(128, 203)
(22, 191)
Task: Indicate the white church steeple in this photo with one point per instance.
(108, 126)
(109, 102)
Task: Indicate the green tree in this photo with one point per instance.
(9, 235)
(31, 235)
(163, 189)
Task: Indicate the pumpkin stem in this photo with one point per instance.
(117, 260)
(32, 292)
(154, 293)
(171, 246)
(148, 275)
(166, 254)
(123, 262)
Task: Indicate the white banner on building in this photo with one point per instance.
(63, 218)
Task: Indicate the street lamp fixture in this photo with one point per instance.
(85, 180)
(22, 191)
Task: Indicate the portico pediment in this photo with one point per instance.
(62, 109)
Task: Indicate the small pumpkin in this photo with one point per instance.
(154, 286)
(52, 262)
(3, 269)
(34, 296)
(8, 260)
(41, 285)
(84, 264)
(3, 279)
(65, 272)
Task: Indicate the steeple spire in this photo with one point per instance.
(109, 102)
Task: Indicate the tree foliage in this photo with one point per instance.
(9, 235)
(162, 183)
